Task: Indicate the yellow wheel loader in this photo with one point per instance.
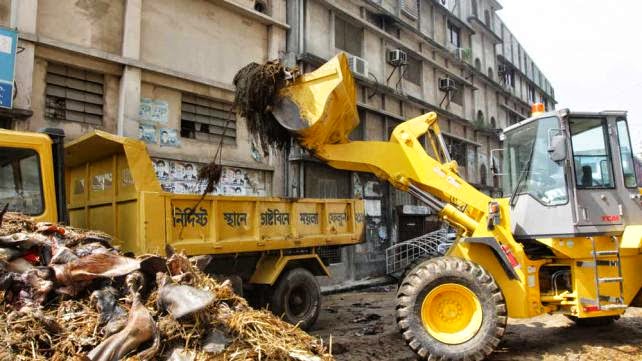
(566, 240)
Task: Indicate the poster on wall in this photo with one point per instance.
(373, 189)
(181, 177)
(160, 111)
(147, 133)
(357, 186)
(169, 137)
(373, 207)
(153, 110)
(161, 167)
(233, 177)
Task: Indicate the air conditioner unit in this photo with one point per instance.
(457, 53)
(452, 48)
(462, 54)
(502, 68)
(358, 65)
(397, 57)
(447, 84)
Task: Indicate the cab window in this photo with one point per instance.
(593, 168)
(626, 154)
(20, 181)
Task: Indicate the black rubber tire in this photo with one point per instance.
(409, 269)
(296, 298)
(593, 321)
(432, 273)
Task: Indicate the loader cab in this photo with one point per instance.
(570, 174)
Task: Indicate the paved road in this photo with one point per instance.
(363, 329)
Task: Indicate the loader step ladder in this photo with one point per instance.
(599, 260)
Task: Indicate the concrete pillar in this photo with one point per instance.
(131, 31)
(128, 102)
(130, 82)
(276, 43)
(24, 18)
(26, 15)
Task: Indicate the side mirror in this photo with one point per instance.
(557, 147)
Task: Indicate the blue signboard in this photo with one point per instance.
(8, 44)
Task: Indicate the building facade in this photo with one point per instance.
(161, 71)
(156, 70)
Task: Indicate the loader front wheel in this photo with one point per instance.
(450, 309)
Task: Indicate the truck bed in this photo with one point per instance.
(112, 187)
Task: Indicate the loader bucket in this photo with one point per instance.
(320, 107)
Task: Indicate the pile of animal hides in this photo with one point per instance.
(67, 294)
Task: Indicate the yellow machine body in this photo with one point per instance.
(305, 110)
(406, 164)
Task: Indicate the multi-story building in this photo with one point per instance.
(162, 71)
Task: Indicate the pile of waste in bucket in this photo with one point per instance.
(67, 294)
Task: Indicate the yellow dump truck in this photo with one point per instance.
(269, 244)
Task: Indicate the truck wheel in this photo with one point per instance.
(297, 298)
(450, 309)
(593, 321)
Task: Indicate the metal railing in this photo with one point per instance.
(401, 255)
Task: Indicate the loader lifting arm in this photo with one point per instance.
(320, 109)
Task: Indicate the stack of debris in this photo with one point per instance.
(69, 295)
(257, 86)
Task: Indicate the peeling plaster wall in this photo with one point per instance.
(96, 24)
(200, 38)
(5, 12)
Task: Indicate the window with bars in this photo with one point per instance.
(412, 72)
(384, 22)
(457, 94)
(74, 94)
(530, 94)
(207, 119)
(454, 35)
(457, 150)
(347, 36)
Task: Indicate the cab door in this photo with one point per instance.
(598, 201)
(624, 164)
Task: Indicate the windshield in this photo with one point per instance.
(527, 163)
(20, 183)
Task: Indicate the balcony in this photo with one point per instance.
(479, 25)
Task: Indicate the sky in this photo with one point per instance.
(590, 51)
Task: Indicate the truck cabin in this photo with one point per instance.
(576, 168)
(30, 165)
